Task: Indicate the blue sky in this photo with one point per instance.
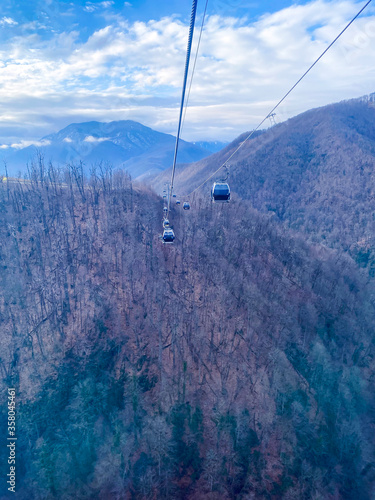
(63, 62)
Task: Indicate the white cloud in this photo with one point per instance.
(25, 144)
(90, 138)
(67, 139)
(134, 71)
(91, 7)
(8, 21)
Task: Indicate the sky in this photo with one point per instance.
(65, 62)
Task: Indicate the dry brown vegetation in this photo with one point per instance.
(314, 173)
(236, 363)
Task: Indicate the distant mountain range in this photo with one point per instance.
(314, 172)
(213, 147)
(142, 151)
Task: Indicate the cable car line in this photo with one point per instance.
(195, 63)
(168, 233)
(190, 39)
(284, 97)
(186, 205)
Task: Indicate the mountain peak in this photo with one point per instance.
(125, 144)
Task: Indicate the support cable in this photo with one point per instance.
(190, 39)
(195, 63)
(283, 98)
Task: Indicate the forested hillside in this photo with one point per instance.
(314, 172)
(236, 363)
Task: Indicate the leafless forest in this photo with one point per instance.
(236, 363)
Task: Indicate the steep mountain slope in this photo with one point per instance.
(127, 144)
(236, 363)
(315, 172)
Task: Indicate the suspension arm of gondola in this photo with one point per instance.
(190, 40)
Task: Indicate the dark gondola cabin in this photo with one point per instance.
(186, 205)
(165, 223)
(178, 202)
(220, 192)
(168, 235)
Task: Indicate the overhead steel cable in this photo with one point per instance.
(195, 63)
(190, 39)
(283, 98)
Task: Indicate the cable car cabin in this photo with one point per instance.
(186, 205)
(165, 209)
(165, 223)
(174, 196)
(220, 192)
(168, 235)
(178, 202)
